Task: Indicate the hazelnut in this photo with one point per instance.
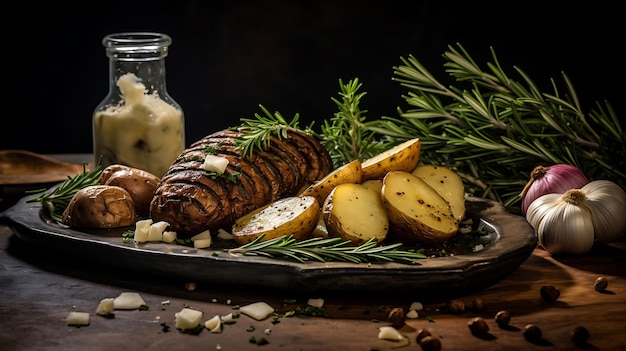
(430, 343)
(580, 335)
(422, 333)
(532, 332)
(601, 284)
(549, 293)
(503, 318)
(478, 326)
(190, 286)
(455, 306)
(396, 317)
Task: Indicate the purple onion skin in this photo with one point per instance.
(557, 179)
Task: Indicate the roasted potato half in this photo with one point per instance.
(140, 184)
(374, 184)
(348, 173)
(100, 206)
(447, 183)
(417, 213)
(296, 215)
(402, 157)
(354, 212)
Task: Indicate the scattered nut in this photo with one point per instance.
(190, 286)
(430, 343)
(422, 333)
(396, 317)
(532, 332)
(503, 318)
(478, 326)
(549, 293)
(455, 306)
(601, 284)
(580, 335)
(478, 304)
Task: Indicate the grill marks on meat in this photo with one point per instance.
(191, 200)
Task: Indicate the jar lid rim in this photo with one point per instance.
(136, 38)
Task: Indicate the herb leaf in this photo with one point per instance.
(57, 200)
(330, 249)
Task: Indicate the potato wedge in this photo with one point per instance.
(320, 230)
(417, 213)
(356, 213)
(402, 157)
(100, 206)
(295, 215)
(374, 184)
(447, 183)
(349, 173)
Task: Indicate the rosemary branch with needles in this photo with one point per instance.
(57, 200)
(493, 130)
(330, 249)
(345, 135)
(257, 131)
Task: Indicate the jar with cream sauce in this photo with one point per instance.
(138, 124)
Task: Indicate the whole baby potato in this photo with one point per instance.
(140, 184)
(100, 206)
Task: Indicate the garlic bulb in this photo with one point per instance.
(572, 222)
(557, 178)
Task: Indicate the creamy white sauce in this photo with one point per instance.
(143, 132)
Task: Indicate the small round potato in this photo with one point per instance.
(100, 206)
(140, 184)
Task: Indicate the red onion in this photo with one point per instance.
(557, 178)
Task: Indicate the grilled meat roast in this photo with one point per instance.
(192, 199)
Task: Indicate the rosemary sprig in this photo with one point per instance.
(323, 250)
(493, 130)
(257, 131)
(58, 199)
(345, 135)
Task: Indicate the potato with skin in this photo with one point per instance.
(351, 172)
(417, 213)
(402, 157)
(100, 206)
(140, 184)
(374, 184)
(356, 213)
(295, 215)
(447, 183)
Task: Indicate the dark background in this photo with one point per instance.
(228, 57)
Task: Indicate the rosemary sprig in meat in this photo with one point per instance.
(257, 131)
(323, 250)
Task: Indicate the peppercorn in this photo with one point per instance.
(478, 304)
(503, 318)
(396, 317)
(455, 306)
(549, 293)
(422, 333)
(478, 326)
(430, 343)
(580, 335)
(601, 284)
(532, 332)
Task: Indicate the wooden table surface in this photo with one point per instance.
(38, 289)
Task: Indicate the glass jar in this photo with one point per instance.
(138, 124)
